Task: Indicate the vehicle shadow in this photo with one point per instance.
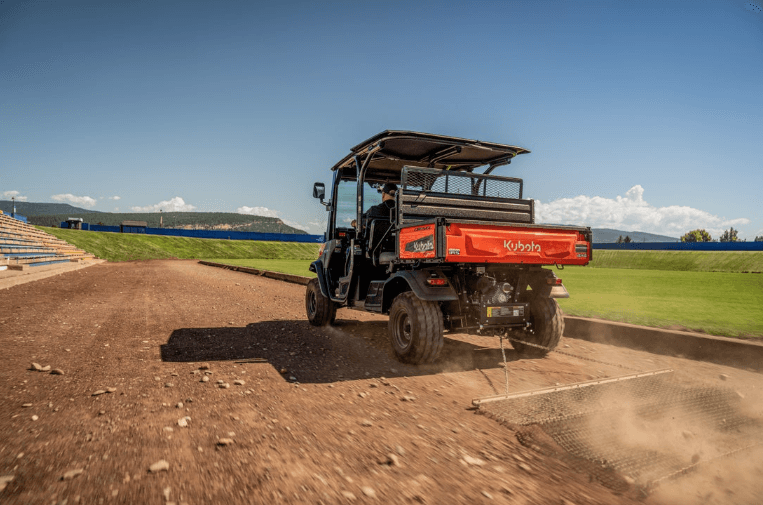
(348, 350)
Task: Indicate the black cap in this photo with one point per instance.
(389, 187)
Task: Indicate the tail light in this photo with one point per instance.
(437, 282)
(554, 281)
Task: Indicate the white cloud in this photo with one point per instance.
(257, 211)
(84, 201)
(631, 213)
(176, 204)
(115, 198)
(11, 194)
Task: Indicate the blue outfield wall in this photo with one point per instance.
(217, 234)
(18, 217)
(683, 246)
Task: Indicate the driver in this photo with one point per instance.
(382, 211)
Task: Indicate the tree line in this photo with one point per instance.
(701, 235)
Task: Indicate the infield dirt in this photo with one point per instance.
(317, 416)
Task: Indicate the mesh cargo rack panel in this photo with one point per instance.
(648, 428)
(431, 180)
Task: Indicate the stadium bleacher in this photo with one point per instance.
(23, 245)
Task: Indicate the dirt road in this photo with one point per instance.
(323, 416)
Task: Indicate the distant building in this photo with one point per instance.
(133, 227)
(74, 223)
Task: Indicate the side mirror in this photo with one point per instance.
(319, 191)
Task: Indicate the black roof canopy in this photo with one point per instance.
(392, 150)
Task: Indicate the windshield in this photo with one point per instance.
(345, 201)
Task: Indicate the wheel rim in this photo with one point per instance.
(403, 331)
(312, 303)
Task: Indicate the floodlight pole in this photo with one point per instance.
(160, 218)
(13, 199)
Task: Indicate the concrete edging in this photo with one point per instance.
(682, 344)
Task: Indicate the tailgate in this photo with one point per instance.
(534, 245)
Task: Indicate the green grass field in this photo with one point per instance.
(701, 291)
(686, 261)
(294, 267)
(718, 303)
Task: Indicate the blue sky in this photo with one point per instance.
(640, 115)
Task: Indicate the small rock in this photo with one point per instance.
(373, 385)
(224, 385)
(220, 381)
(390, 459)
(283, 371)
(189, 400)
(238, 382)
(169, 429)
(205, 379)
(157, 379)
(204, 366)
(166, 492)
(56, 371)
(408, 398)
(34, 418)
(366, 423)
(400, 450)
(630, 480)
(111, 390)
(525, 467)
(487, 495)
(348, 495)
(179, 405)
(46, 368)
(687, 434)
(27, 405)
(4, 480)
(72, 473)
(126, 478)
(723, 377)
(362, 395)
(36, 366)
(174, 374)
(168, 385)
(101, 412)
(99, 392)
(225, 441)
(159, 466)
(183, 421)
(368, 491)
(473, 461)
(739, 394)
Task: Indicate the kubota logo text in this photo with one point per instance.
(520, 247)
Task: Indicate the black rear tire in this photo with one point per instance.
(320, 310)
(547, 321)
(415, 329)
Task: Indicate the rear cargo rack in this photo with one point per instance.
(427, 193)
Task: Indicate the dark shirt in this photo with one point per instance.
(381, 211)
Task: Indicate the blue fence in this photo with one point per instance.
(218, 234)
(683, 246)
(19, 217)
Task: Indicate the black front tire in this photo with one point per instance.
(547, 321)
(415, 329)
(320, 310)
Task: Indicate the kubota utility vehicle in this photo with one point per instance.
(460, 251)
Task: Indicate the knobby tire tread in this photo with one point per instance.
(428, 328)
(325, 310)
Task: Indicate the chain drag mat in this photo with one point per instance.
(640, 431)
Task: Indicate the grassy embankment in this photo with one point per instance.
(702, 291)
(127, 247)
